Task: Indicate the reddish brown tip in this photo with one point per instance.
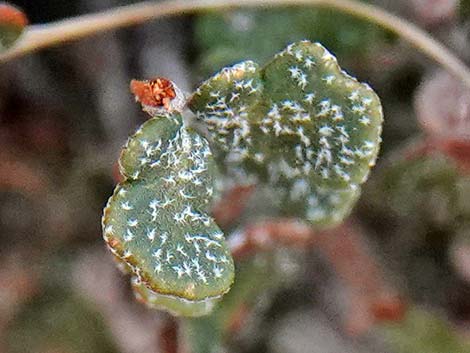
(155, 93)
(10, 15)
(389, 308)
(142, 92)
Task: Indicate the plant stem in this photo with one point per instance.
(263, 236)
(42, 36)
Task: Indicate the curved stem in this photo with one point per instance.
(42, 36)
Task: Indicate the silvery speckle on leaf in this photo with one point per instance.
(158, 219)
(299, 125)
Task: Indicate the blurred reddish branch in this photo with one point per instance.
(169, 336)
(372, 298)
(18, 283)
(457, 150)
(231, 205)
(238, 319)
(270, 234)
(17, 175)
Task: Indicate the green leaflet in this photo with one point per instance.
(174, 305)
(300, 126)
(158, 221)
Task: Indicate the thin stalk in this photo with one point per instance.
(42, 36)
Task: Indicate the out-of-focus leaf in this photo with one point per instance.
(417, 206)
(58, 321)
(227, 38)
(422, 331)
(211, 333)
(464, 10)
(12, 23)
(421, 189)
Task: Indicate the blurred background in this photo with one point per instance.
(395, 278)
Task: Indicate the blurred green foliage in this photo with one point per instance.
(424, 332)
(427, 191)
(8, 35)
(464, 10)
(210, 333)
(418, 206)
(227, 38)
(59, 321)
